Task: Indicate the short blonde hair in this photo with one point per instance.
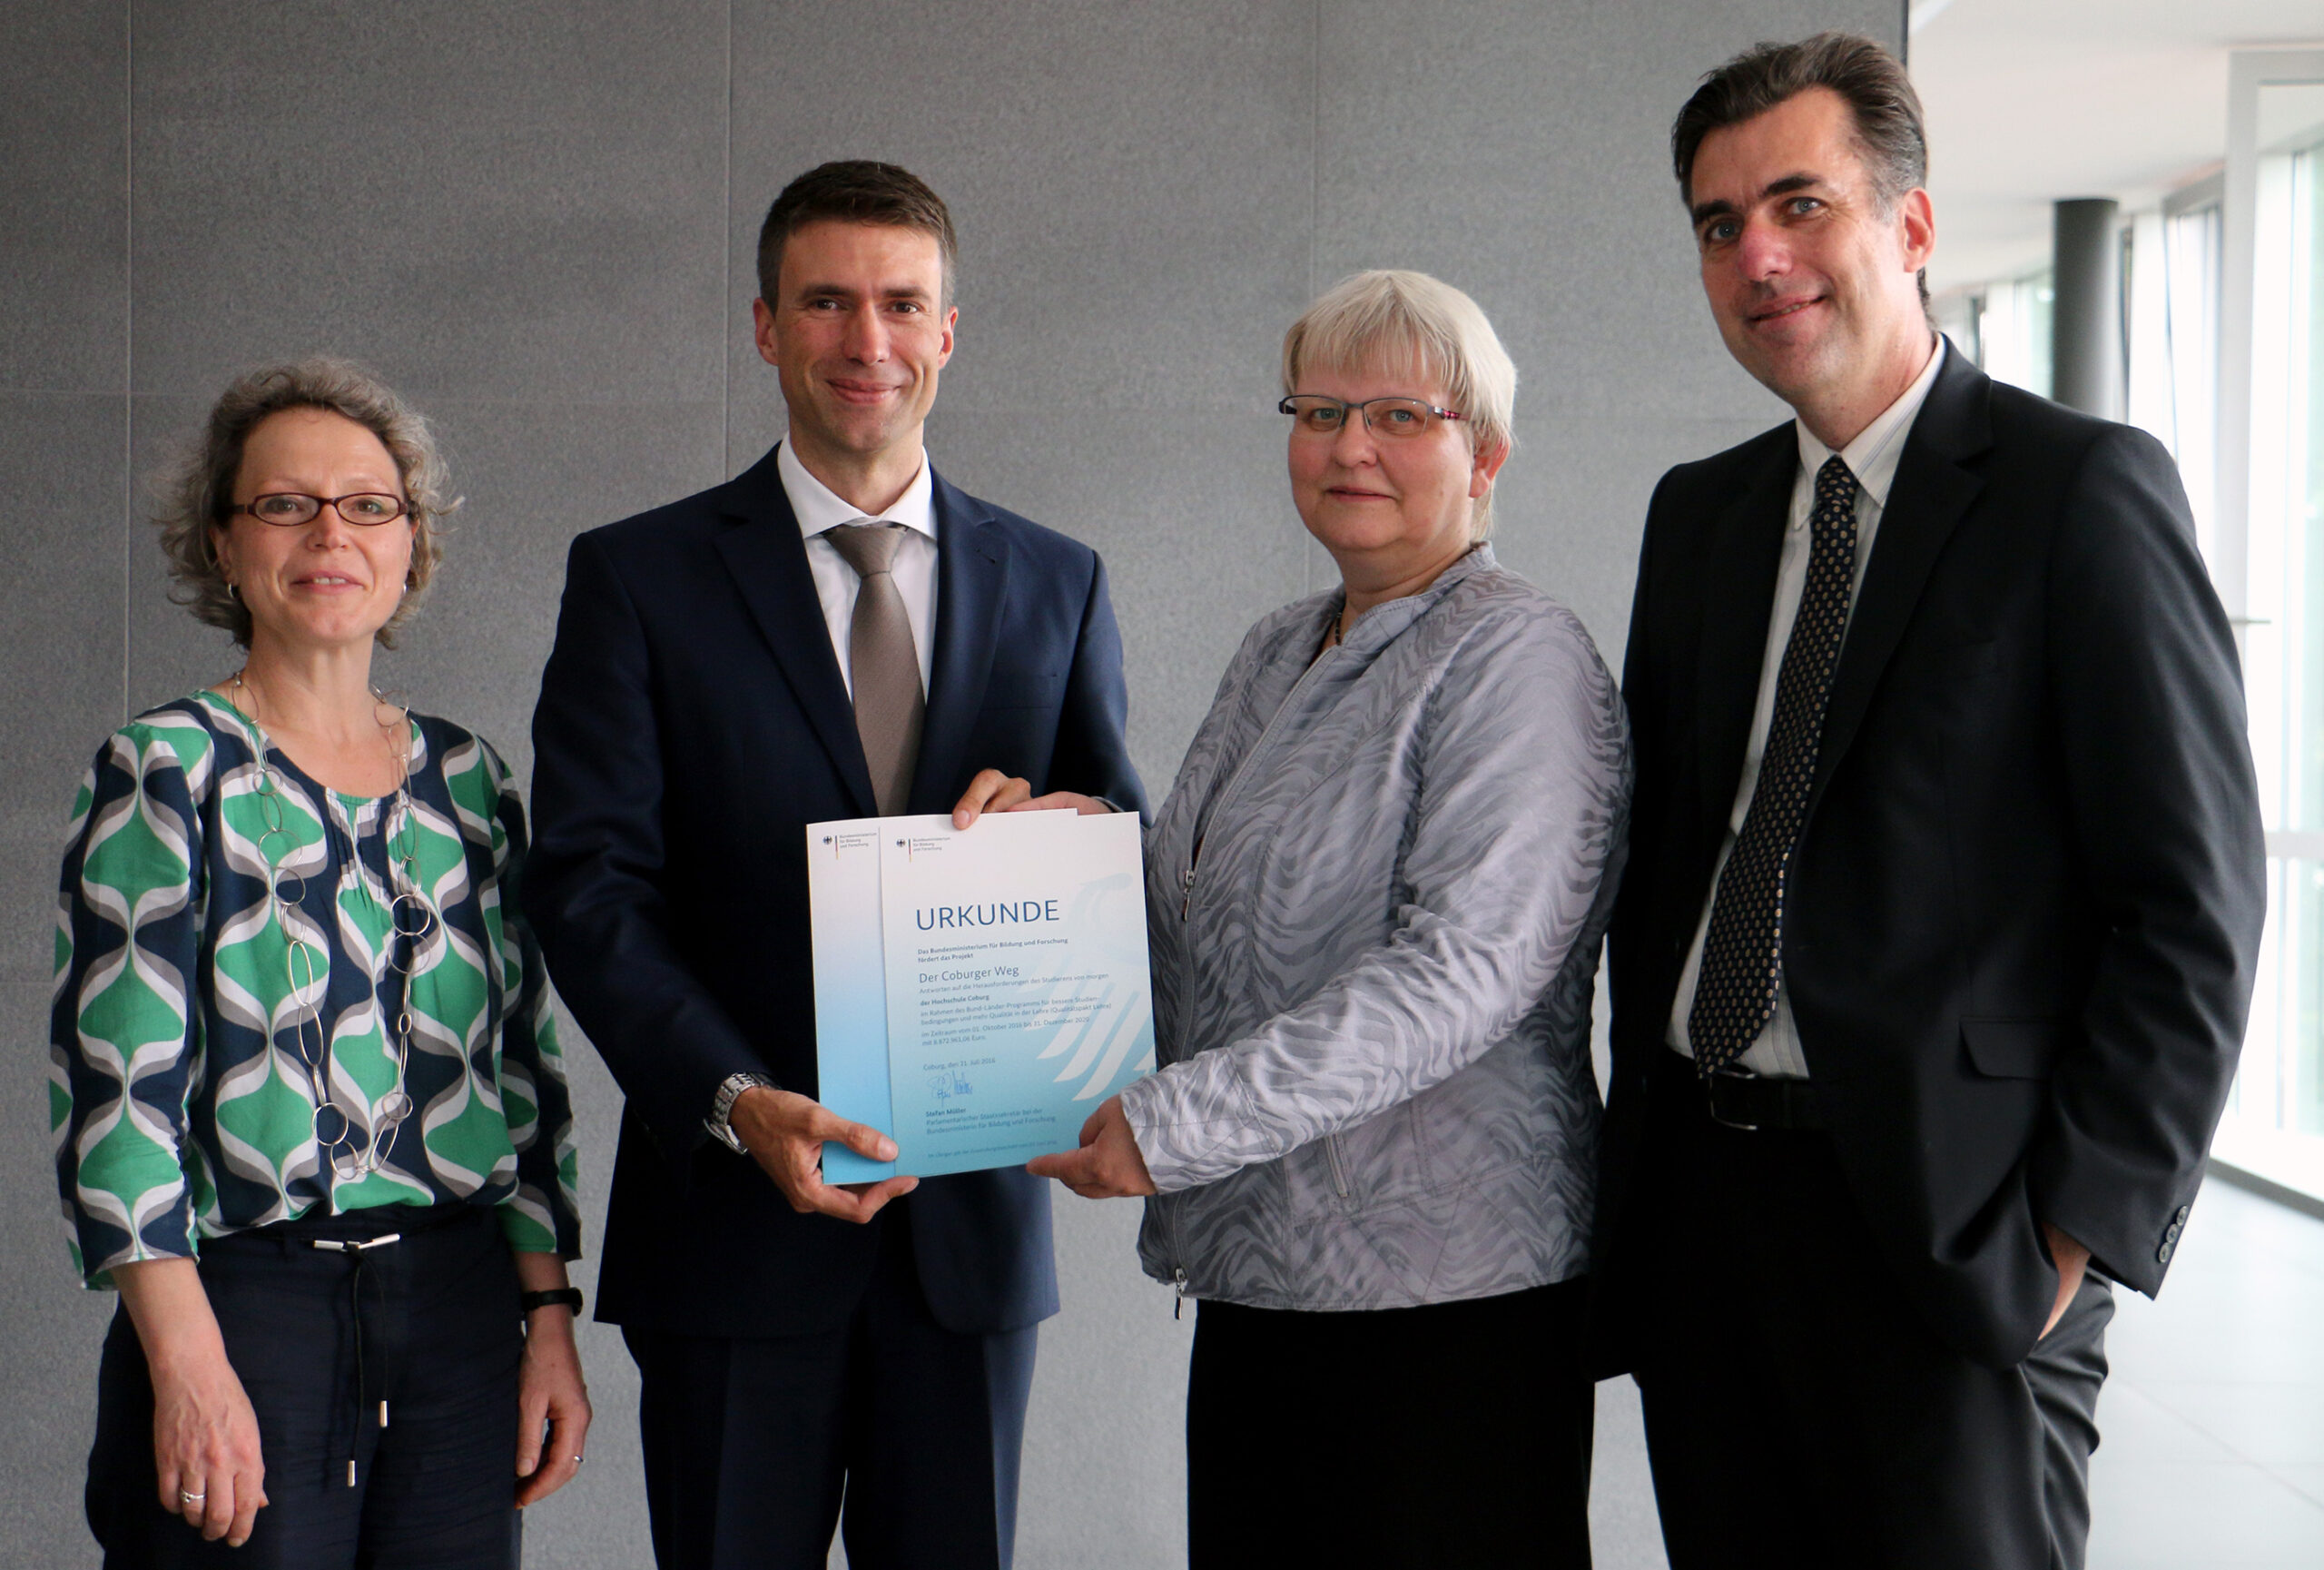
(1390, 315)
(199, 486)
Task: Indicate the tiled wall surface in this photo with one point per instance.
(537, 219)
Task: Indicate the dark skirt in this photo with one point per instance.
(1450, 1433)
(320, 1338)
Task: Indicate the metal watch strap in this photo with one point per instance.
(722, 1108)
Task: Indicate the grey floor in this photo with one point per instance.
(2213, 1421)
(2213, 1418)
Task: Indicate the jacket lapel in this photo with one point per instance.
(769, 561)
(1931, 492)
(1738, 583)
(971, 582)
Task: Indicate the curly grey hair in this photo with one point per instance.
(199, 486)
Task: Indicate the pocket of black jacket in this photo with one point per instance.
(2012, 1049)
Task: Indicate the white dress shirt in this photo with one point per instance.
(818, 508)
(1872, 457)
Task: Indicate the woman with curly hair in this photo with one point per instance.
(311, 1118)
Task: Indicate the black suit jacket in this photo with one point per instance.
(692, 721)
(2024, 909)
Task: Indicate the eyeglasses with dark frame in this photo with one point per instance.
(1313, 414)
(293, 509)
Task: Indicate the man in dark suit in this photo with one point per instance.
(1931, 962)
(834, 633)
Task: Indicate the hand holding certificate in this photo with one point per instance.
(977, 991)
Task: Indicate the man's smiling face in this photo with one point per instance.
(1811, 281)
(857, 336)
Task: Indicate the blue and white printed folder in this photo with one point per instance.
(977, 992)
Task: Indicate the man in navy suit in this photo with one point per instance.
(729, 669)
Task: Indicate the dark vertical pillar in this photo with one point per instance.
(2085, 329)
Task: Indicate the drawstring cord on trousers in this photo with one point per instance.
(359, 1250)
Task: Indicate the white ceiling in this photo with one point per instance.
(2033, 101)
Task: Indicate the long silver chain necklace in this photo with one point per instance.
(355, 1151)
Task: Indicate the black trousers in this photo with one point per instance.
(1455, 1434)
(1800, 1413)
(436, 1317)
(750, 1444)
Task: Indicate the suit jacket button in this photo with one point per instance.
(2181, 1218)
(2163, 1255)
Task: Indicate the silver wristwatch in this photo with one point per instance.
(722, 1108)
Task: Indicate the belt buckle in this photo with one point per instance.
(1710, 1097)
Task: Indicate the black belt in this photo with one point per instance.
(1755, 1102)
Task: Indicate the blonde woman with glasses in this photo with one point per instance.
(1375, 897)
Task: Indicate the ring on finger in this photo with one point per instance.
(186, 1499)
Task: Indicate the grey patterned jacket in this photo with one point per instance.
(1372, 989)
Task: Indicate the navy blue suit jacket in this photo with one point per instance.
(692, 721)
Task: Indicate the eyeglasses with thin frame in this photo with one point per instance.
(1313, 414)
(292, 509)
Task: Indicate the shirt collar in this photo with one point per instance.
(1875, 453)
(818, 507)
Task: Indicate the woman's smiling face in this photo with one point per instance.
(1391, 503)
(325, 583)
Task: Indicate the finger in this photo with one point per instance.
(876, 1197)
(988, 783)
(218, 1511)
(555, 1470)
(862, 1138)
(819, 1126)
(990, 791)
(1068, 1166)
(249, 1497)
(860, 1205)
(1060, 801)
(530, 1413)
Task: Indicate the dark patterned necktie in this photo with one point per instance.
(1735, 991)
(883, 665)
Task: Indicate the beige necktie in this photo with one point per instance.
(883, 665)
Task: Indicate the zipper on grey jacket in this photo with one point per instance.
(1332, 1155)
(1235, 782)
(1178, 1286)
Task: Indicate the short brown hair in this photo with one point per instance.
(855, 191)
(1887, 111)
(1890, 133)
(199, 486)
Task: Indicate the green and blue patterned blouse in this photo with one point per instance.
(180, 1102)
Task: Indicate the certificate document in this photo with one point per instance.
(977, 992)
